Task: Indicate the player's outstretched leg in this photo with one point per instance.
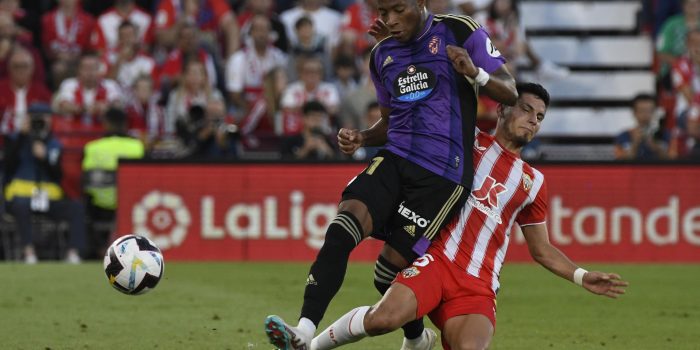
(283, 336)
(398, 306)
(416, 336)
(326, 274)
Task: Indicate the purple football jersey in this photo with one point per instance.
(433, 108)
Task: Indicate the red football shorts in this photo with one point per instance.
(444, 291)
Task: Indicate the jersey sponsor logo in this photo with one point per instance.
(410, 272)
(387, 61)
(414, 84)
(413, 216)
(527, 182)
(491, 48)
(434, 45)
(485, 198)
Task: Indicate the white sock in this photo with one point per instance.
(347, 329)
(307, 327)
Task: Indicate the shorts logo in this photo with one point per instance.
(411, 229)
(434, 45)
(410, 272)
(413, 216)
(414, 84)
(311, 281)
(527, 182)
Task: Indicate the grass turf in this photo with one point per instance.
(222, 306)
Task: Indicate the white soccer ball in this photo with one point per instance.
(133, 264)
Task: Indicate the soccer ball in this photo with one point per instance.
(133, 264)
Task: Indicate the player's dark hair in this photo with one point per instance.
(313, 106)
(535, 89)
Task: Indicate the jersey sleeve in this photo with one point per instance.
(535, 212)
(383, 96)
(482, 51)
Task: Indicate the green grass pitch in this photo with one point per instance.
(222, 306)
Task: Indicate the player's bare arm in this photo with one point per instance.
(500, 86)
(349, 140)
(602, 283)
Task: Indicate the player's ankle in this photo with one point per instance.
(306, 327)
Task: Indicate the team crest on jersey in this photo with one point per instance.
(434, 45)
(527, 182)
(410, 272)
(414, 84)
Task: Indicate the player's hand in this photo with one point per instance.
(378, 30)
(610, 285)
(461, 61)
(349, 140)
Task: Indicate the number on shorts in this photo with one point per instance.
(375, 163)
(424, 260)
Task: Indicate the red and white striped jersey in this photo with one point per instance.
(505, 190)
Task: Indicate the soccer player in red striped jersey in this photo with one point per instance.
(455, 283)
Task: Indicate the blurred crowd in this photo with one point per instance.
(245, 78)
(213, 78)
(668, 121)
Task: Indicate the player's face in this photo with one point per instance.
(403, 17)
(522, 121)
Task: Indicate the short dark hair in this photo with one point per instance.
(116, 117)
(313, 106)
(642, 97)
(303, 20)
(535, 89)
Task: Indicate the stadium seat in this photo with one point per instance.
(580, 15)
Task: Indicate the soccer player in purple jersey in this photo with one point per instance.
(427, 73)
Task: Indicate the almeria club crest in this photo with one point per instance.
(434, 45)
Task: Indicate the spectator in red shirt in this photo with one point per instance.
(357, 19)
(210, 16)
(65, 34)
(88, 96)
(106, 35)
(685, 75)
(19, 91)
(9, 41)
(126, 61)
(145, 116)
(188, 49)
(264, 8)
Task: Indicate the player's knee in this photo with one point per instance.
(380, 320)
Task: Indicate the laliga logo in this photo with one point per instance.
(162, 217)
